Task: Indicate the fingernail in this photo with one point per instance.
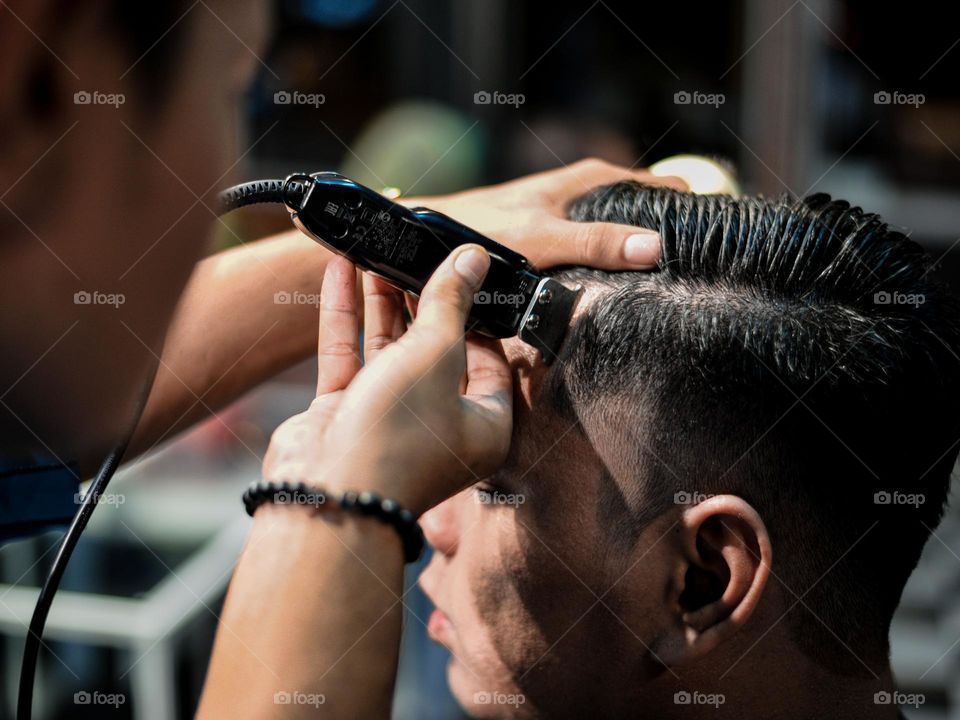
(642, 248)
(472, 263)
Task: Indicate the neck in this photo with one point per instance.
(784, 687)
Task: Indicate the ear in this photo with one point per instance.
(722, 569)
(25, 69)
(21, 23)
(37, 78)
(52, 54)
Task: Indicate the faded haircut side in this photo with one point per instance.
(797, 353)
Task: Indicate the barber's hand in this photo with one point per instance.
(529, 216)
(429, 412)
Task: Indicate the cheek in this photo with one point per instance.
(484, 605)
(516, 605)
(536, 608)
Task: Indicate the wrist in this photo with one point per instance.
(339, 508)
(291, 526)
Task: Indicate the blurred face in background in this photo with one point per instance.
(119, 126)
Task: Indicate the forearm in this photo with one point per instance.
(230, 332)
(314, 608)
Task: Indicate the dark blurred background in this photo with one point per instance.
(853, 98)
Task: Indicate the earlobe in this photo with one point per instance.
(725, 564)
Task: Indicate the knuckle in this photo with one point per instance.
(378, 342)
(380, 293)
(447, 294)
(671, 181)
(591, 163)
(488, 373)
(288, 428)
(591, 243)
(338, 348)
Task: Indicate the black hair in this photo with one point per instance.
(797, 353)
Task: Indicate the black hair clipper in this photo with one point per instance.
(404, 246)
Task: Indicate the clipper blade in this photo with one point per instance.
(545, 323)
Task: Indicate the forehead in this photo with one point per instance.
(575, 471)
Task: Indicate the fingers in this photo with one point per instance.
(448, 296)
(488, 372)
(606, 246)
(338, 351)
(585, 175)
(383, 315)
(490, 389)
(673, 182)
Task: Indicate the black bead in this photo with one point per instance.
(390, 507)
(369, 504)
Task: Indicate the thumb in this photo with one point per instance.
(448, 296)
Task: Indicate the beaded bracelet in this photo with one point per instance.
(365, 503)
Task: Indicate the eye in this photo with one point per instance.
(485, 492)
(494, 496)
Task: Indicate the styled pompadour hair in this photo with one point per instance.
(797, 353)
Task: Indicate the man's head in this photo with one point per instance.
(728, 474)
(118, 120)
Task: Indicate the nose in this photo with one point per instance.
(440, 526)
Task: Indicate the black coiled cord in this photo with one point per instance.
(288, 191)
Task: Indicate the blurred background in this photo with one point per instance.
(848, 97)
